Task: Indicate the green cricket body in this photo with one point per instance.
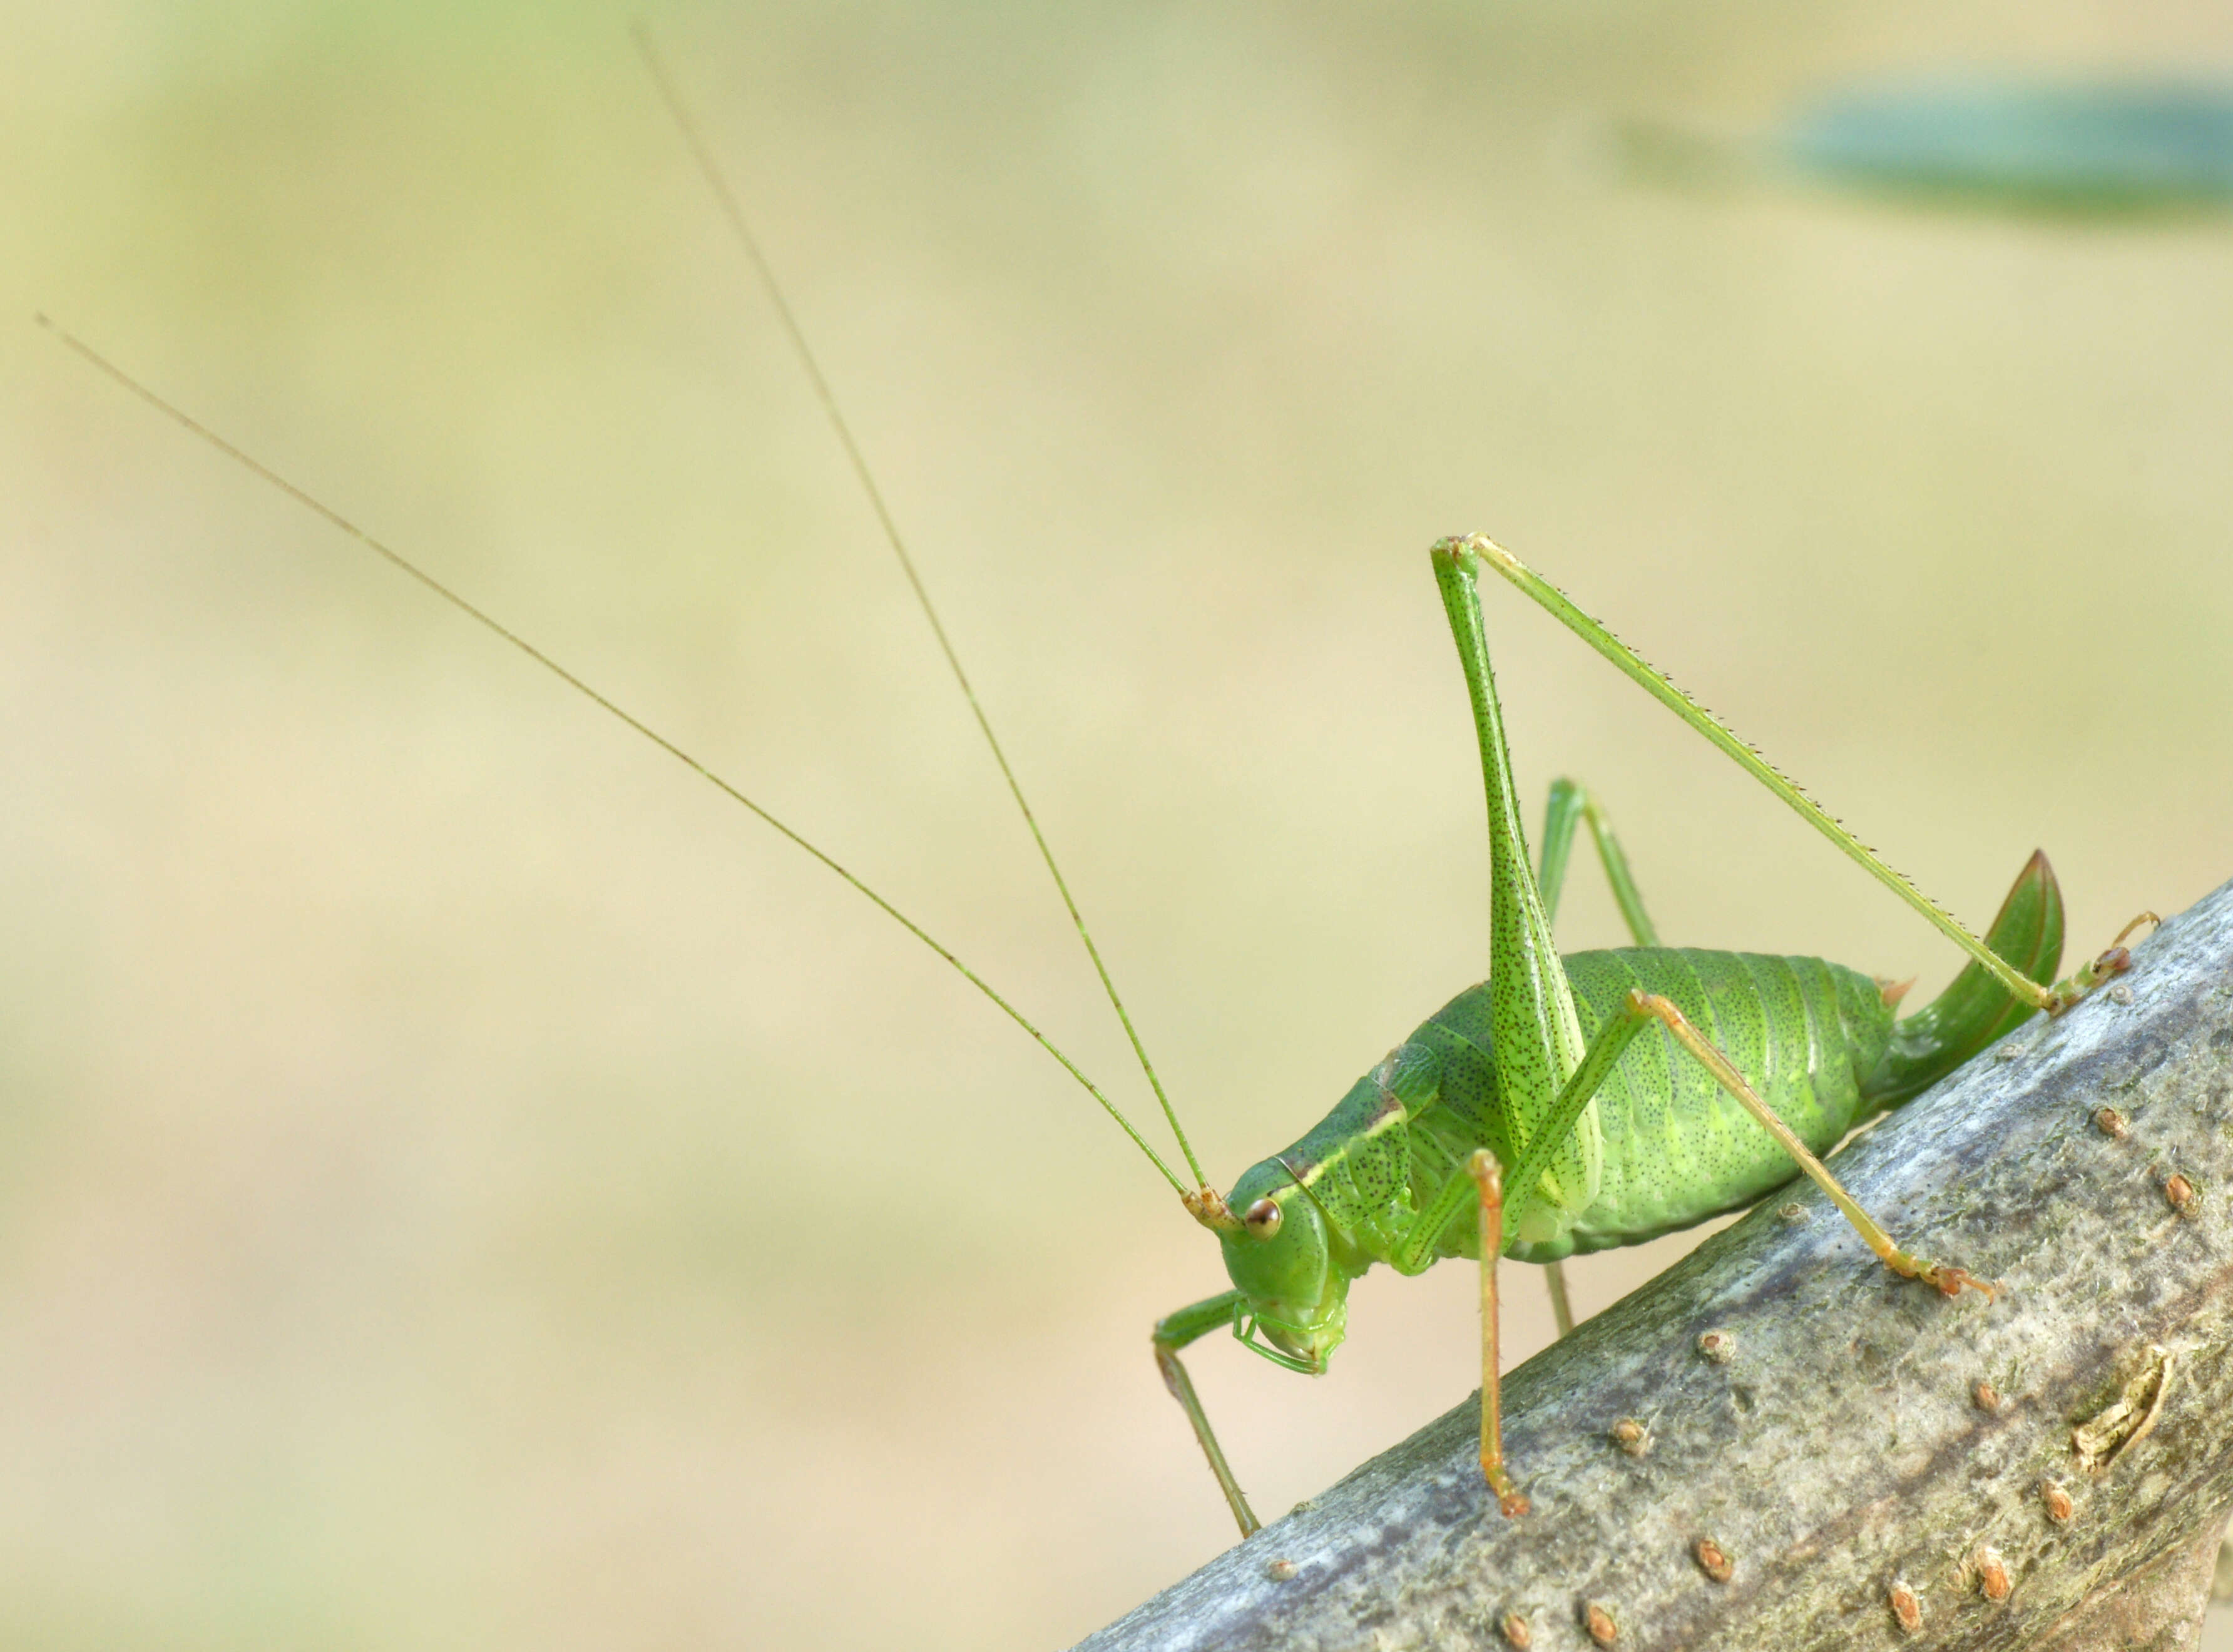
(1606, 1137)
(1674, 1148)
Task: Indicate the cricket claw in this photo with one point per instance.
(1509, 1497)
(1953, 1282)
(1949, 1281)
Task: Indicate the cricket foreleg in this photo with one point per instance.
(1174, 1332)
(1570, 804)
(1952, 1280)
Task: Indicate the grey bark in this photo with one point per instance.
(1844, 1449)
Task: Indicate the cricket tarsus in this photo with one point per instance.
(397, 560)
(1203, 1202)
(2113, 961)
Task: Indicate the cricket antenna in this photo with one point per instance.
(732, 210)
(396, 559)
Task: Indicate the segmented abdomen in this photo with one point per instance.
(1678, 1149)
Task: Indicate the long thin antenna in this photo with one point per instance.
(732, 209)
(398, 560)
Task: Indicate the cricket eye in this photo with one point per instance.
(1263, 1218)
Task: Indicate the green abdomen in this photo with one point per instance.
(1678, 1149)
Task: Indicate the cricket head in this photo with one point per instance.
(1280, 1256)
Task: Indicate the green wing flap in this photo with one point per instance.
(1976, 1010)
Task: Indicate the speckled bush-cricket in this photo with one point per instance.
(1536, 1079)
(1459, 1218)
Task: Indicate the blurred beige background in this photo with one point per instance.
(464, 1183)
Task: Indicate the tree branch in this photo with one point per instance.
(1845, 1450)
